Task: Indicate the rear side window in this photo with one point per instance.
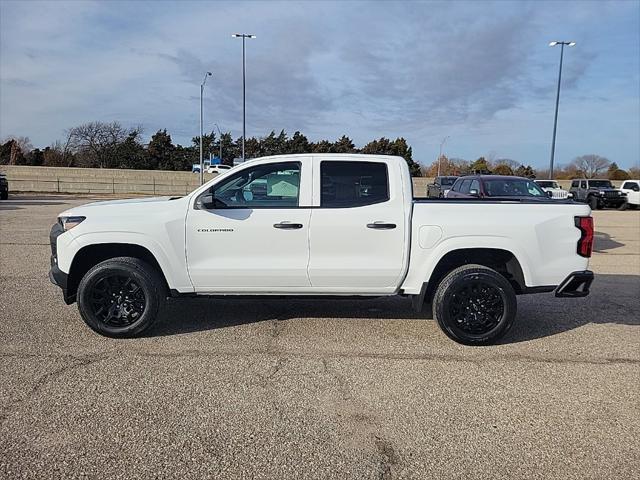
(583, 184)
(353, 184)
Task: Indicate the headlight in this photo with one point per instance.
(67, 223)
(601, 193)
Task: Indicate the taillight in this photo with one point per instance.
(585, 244)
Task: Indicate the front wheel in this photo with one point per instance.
(623, 206)
(593, 203)
(474, 305)
(120, 297)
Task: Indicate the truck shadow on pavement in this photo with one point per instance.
(613, 299)
(604, 242)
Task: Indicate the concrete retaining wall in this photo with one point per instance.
(124, 181)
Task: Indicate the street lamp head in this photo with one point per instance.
(572, 44)
(209, 73)
(553, 44)
(243, 35)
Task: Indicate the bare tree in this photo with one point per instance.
(591, 165)
(95, 143)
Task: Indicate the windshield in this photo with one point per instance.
(447, 181)
(600, 184)
(513, 188)
(547, 184)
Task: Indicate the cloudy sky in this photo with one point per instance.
(479, 72)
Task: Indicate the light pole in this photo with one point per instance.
(440, 156)
(555, 119)
(219, 140)
(208, 74)
(243, 36)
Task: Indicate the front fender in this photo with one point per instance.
(173, 266)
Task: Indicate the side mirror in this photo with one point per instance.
(474, 192)
(636, 188)
(207, 201)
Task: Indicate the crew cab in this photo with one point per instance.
(320, 225)
(598, 193)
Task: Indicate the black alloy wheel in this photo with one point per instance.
(117, 300)
(474, 305)
(121, 297)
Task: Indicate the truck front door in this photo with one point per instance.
(251, 234)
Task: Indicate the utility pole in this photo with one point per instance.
(244, 89)
(555, 118)
(208, 74)
(440, 156)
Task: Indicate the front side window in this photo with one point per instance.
(353, 184)
(475, 185)
(583, 184)
(263, 186)
(464, 187)
(574, 184)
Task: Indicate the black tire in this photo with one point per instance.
(474, 305)
(4, 195)
(121, 297)
(623, 206)
(593, 203)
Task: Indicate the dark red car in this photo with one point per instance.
(495, 186)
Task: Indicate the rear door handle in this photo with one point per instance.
(381, 226)
(287, 225)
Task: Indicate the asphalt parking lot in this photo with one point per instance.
(316, 389)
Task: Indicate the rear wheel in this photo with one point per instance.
(4, 195)
(120, 297)
(474, 305)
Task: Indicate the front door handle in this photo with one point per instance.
(381, 226)
(287, 226)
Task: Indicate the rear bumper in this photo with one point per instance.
(575, 285)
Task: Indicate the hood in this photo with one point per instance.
(82, 209)
(129, 201)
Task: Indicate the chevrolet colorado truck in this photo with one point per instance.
(320, 225)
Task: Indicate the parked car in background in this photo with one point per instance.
(631, 188)
(4, 187)
(598, 193)
(496, 186)
(219, 168)
(320, 224)
(195, 168)
(553, 189)
(440, 186)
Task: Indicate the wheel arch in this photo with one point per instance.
(501, 260)
(90, 255)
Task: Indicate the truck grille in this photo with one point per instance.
(612, 194)
(559, 194)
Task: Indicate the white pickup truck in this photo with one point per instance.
(329, 225)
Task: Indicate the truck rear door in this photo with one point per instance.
(357, 235)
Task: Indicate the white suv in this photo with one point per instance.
(556, 190)
(218, 168)
(632, 189)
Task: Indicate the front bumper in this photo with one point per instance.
(57, 276)
(575, 285)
